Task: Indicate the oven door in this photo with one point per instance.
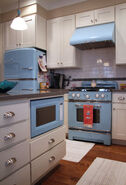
(101, 116)
(46, 115)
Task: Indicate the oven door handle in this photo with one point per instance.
(95, 106)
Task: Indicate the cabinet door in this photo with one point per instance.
(28, 38)
(85, 19)
(40, 32)
(53, 43)
(119, 121)
(10, 37)
(104, 15)
(67, 28)
(121, 34)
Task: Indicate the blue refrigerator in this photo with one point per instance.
(21, 65)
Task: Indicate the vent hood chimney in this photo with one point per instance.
(97, 36)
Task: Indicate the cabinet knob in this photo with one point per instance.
(8, 115)
(9, 136)
(113, 109)
(96, 20)
(121, 98)
(16, 44)
(51, 141)
(57, 62)
(10, 162)
(19, 44)
(92, 21)
(61, 62)
(52, 158)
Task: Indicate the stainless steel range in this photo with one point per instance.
(90, 112)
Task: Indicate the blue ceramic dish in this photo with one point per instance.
(6, 86)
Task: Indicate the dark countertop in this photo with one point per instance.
(44, 93)
(119, 90)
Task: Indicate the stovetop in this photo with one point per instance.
(88, 89)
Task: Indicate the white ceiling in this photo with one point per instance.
(6, 5)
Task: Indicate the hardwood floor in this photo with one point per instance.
(68, 173)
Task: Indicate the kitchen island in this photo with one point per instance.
(25, 159)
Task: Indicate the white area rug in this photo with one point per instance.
(76, 150)
(104, 172)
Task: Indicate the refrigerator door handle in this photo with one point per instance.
(27, 68)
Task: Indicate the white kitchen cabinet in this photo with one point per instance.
(21, 177)
(46, 151)
(53, 42)
(34, 36)
(14, 137)
(119, 116)
(121, 34)
(60, 54)
(98, 16)
(47, 161)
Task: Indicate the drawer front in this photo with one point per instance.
(13, 134)
(47, 161)
(13, 158)
(46, 141)
(119, 97)
(21, 177)
(13, 113)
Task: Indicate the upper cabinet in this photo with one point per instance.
(34, 36)
(59, 31)
(98, 16)
(121, 34)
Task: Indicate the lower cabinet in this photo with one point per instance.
(119, 118)
(46, 151)
(44, 163)
(20, 177)
(14, 158)
(119, 121)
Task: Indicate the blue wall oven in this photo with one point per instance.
(46, 114)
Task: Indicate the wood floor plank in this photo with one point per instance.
(69, 173)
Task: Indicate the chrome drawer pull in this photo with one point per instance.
(27, 68)
(9, 136)
(9, 114)
(52, 159)
(10, 162)
(121, 98)
(51, 141)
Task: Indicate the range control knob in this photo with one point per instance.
(97, 95)
(87, 96)
(73, 95)
(103, 95)
(78, 95)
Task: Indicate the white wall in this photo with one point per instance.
(1, 54)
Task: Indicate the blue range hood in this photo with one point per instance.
(97, 36)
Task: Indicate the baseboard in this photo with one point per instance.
(119, 142)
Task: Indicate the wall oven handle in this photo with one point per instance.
(95, 106)
(51, 141)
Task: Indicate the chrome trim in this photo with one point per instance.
(90, 130)
(87, 101)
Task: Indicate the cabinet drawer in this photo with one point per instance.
(13, 134)
(21, 177)
(119, 97)
(46, 141)
(47, 161)
(13, 113)
(13, 158)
